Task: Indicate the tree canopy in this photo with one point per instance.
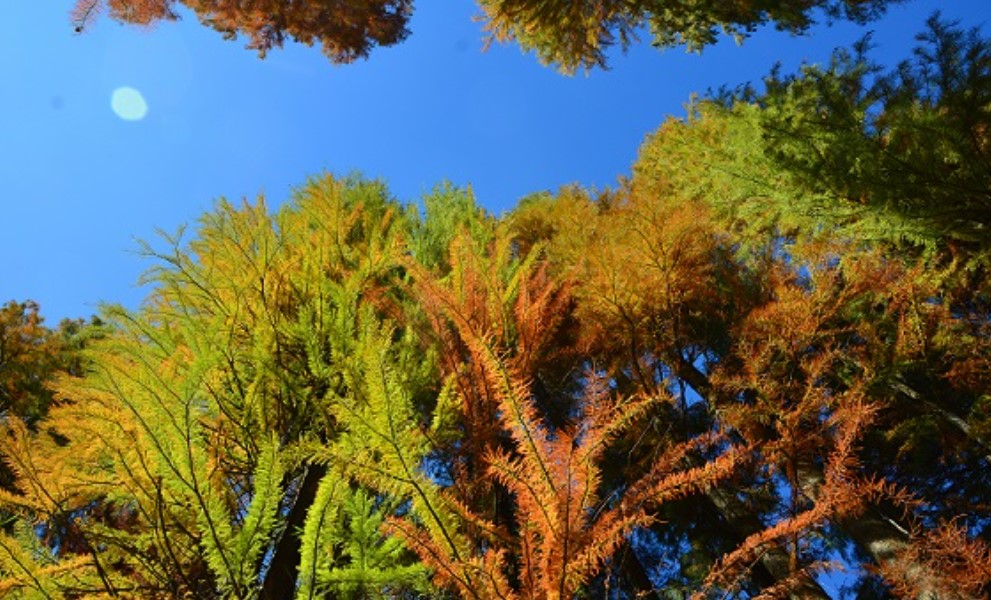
(573, 35)
(733, 375)
(346, 30)
(570, 35)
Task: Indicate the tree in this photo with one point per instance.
(797, 349)
(557, 521)
(172, 464)
(576, 35)
(570, 35)
(29, 356)
(897, 157)
(765, 164)
(908, 147)
(346, 30)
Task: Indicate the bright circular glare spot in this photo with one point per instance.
(128, 104)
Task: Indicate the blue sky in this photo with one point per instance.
(78, 184)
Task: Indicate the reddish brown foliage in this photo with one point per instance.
(346, 30)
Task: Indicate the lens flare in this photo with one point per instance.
(128, 104)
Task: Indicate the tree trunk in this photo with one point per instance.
(280, 577)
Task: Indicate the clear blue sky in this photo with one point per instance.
(78, 184)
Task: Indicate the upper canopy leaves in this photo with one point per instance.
(568, 34)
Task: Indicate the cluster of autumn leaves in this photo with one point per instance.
(754, 369)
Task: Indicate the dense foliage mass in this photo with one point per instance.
(346, 30)
(576, 35)
(563, 32)
(759, 368)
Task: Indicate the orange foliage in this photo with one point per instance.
(500, 315)
(944, 562)
(346, 30)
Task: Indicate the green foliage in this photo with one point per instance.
(446, 212)
(898, 157)
(351, 557)
(576, 35)
(246, 546)
(194, 400)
